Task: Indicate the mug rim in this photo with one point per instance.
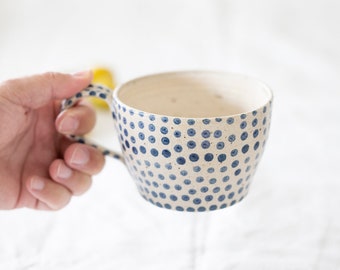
(266, 88)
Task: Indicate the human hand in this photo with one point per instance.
(39, 167)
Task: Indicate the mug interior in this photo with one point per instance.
(195, 94)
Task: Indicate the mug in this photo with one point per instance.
(191, 140)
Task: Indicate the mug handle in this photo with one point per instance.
(99, 91)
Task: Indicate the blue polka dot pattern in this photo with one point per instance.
(191, 165)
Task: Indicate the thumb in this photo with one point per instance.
(39, 90)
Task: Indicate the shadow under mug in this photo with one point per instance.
(191, 140)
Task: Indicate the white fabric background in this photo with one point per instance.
(291, 217)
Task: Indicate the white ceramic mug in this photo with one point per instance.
(191, 140)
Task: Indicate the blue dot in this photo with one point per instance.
(216, 190)
(159, 204)
(141, 114)
(254, 113)
(191, 122)
(224, 169)
(114, 115)
(152, 139)
(127, 144)
(132, 125)
(124, 120)
(247, 160)
(141, 124)
(255, 133)
(152, 117)
(209, 157)
(244, 136)
(141, 136)
(92, 93)
(164, 130)
(78, 95)
(194, 157)
(197, 201)
(155, 184)
(168, 166)
(222, 157)
(142, 149)
(211, 170)
(192, 191)
(254, 123)
(231, 138)
(167, 206)
(131, 112)
(237, 172)
(184, 173)
(206, 121)
(264, 109)
(234, 152)
(166, 153)
(173, 197)
(147, 163)
(154, 152)
(185, 198)
(213, 207)
(256, 145)
(226, 178)
(230, 120)
(181, 160)
(224, 205)
(166, 186)
(197, 169)
(235, 163)
(212, 181)
(199, 179)
(239, 181)
(165, 140)
(204, 189)
(177, 121)
(134, 150)
(231, 195)
(172, 177)
(220, 145)
(191, 132)
(133, 139)
(148, 182)
(217, 133)
(165, 119)
(228, 187)
(221, 198)
(157, 165)
(154, 194)
(152, 127)
(218, 120)
(190, 209)
(240, 190)
(243, 125)
(201, 209)
(264, 121)
(162, 195)
(178, 187)
(177, 134)
(248, 168)
(161, 177)
(245, 148)
(243, 116)
(205, 144)
(205, 133)
(178, 148)
(191, 144)
(208, 198)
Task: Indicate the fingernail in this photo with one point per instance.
(69, 124)
(37, 183)
(80, 156)
(64, 172)
(83, 74)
